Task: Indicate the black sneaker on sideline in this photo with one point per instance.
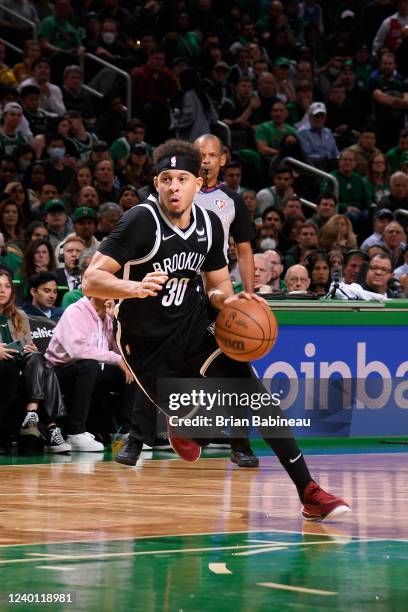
(244, 457)
(55, 443)
(130, 452)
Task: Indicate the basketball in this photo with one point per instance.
(246, 330)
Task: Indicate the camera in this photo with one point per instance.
(395, 289)
(76, 273)
(336, 276)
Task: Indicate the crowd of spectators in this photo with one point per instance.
(286, 85)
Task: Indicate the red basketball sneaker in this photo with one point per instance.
(185, 448)
(318, 505)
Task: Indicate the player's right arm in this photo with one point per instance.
(100, 281)
(132, 238)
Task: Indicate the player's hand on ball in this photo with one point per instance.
(243, 295)
(151, 284)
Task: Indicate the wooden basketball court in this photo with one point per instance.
(172, 536)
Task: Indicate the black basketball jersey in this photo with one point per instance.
(144, 240)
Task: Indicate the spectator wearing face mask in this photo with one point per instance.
(110, 46)
(57, 171)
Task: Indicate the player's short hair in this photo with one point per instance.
(178, 148)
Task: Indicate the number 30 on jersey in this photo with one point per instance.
(176, 290)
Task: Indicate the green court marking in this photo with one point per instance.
(330, 319)
(340, 313)
(255, 571)
(310, 446)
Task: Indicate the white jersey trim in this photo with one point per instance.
(135, 262)
(176, 229)
(209, 228)
(209, 361)
(155, 246)
(118, 337)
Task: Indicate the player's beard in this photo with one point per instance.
(171, 214)
(174, 214)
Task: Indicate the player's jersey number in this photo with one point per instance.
(176, 290)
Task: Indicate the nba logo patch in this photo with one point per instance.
(173, 161)
(220, 203)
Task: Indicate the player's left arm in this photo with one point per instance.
(246, 265)
(215, 273)
(219, 289)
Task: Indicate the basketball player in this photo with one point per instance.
(230, 207)
(150, 263)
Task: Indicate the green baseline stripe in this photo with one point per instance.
(384, 318)
(339, 442)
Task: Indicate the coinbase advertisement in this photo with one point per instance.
(346, 381)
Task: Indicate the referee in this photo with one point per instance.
(230, 208)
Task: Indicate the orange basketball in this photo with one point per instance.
(246, 330)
